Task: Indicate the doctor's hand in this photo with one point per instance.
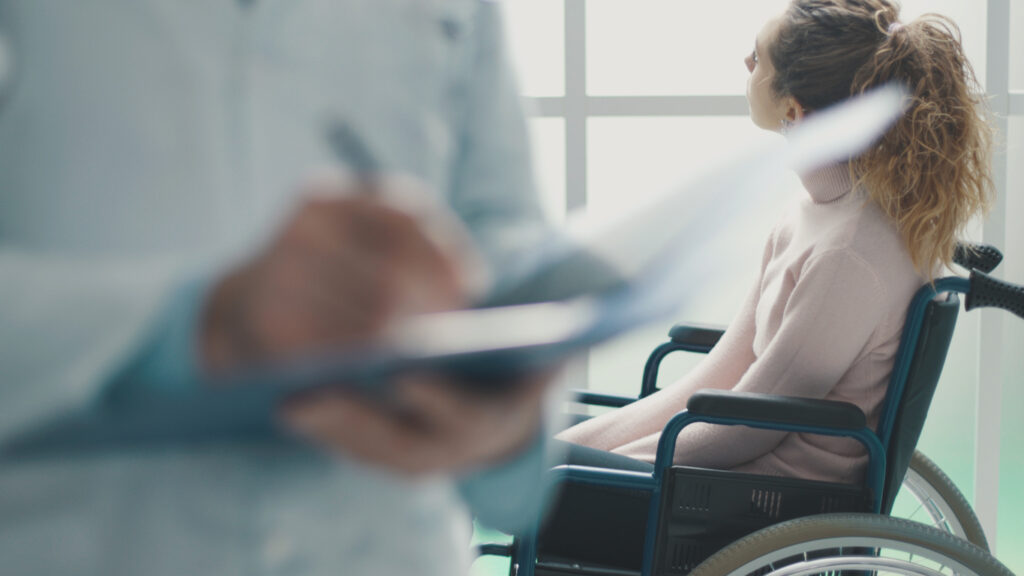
(340, 270)
(429, 425)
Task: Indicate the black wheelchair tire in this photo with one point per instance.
(782, 542)
(951, 496)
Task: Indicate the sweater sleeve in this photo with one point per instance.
(722, 369)
(831, 314)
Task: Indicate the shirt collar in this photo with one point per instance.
(829, 183)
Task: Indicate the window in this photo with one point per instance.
(667, 47)
(536, 32)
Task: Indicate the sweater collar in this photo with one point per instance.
(829, 183)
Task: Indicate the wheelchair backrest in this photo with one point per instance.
(910, 401)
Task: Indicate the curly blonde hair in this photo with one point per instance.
(930, 173)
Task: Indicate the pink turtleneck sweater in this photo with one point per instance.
(823, 321)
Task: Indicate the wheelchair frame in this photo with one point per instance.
(753, 410)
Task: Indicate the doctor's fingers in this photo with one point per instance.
(321, 259)
(410, 252)
(443, 399)
(483, 425)
(369, 223)
(369, 433)
(332, 221)
(415, 240)
(294, 308)
(377, 284)
(361, 233)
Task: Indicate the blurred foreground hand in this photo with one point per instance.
(347, 265)
(429, 426)
(343, 267)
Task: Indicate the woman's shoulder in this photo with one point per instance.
(874, 240)
(855, 230)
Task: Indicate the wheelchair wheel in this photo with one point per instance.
(851, 544)
(939, 502)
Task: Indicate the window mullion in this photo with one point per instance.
(575, 106)
(990, 354)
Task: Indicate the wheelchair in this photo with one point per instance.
(682, 520)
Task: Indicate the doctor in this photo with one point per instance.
(154, 227)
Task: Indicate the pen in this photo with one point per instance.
(350, 150)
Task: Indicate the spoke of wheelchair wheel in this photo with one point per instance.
(912, 515)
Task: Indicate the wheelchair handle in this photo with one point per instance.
(988, 292)
(980, 257)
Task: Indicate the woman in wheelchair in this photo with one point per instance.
(824, 318)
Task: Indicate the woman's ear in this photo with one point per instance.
(794, 112)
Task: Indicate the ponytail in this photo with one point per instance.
(930, 172)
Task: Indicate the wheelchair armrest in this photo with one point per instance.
(697, 335)
(596, 399)
(774, 409)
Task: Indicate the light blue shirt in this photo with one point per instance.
(146, 143)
